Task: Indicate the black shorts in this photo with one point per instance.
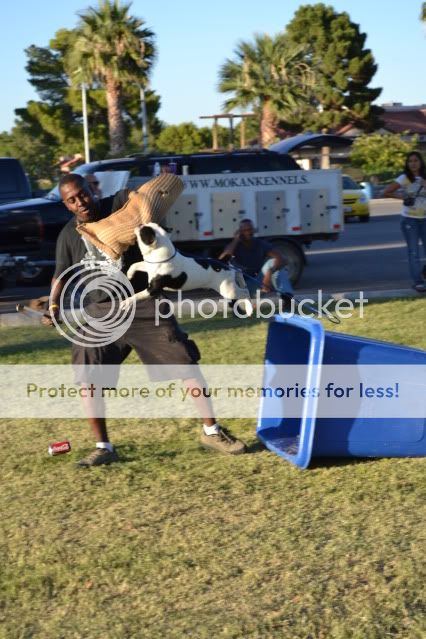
(165, 348)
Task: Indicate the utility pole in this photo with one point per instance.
(85, 123)
(144, 118)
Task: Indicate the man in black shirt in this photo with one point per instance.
(263, 264)
(163, 344)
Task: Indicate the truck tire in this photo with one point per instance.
(295, 256)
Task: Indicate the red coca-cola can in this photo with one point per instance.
(58, 448)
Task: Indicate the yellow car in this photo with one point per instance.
(355, 200)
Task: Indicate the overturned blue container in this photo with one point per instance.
(296, 341)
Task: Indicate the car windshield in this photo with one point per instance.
(349, 183)
(54, 193)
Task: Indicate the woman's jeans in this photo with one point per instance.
(414, 230)
(280, 281)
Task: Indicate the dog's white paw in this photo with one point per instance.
(245, 306)
(248, 307)
(126, 304)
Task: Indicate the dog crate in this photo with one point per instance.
(295, 341)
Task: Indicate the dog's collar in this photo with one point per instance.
(161, 261)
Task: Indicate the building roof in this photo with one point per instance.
(396, 118)
(399, 120)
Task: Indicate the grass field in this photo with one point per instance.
(177, 542)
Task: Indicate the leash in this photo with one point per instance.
(331, 318)
(239, 269)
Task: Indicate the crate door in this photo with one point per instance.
(183, 218)
(271, 212)
(226, 212)
(313, 210)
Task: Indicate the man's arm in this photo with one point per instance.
(279, 262)
(228, 251)
(119, 199)
(56, 289)
(63, 261)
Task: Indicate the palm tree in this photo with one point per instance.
(112, 48)
(270, 76)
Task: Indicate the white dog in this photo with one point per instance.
(169, 270)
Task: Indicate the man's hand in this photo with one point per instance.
(39, 303)
(51, 314)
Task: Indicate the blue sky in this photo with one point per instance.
(194, 38)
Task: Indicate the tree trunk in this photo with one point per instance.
(115, 117)
(268, 125)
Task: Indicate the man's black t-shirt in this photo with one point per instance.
(252, 257)
(71, 250)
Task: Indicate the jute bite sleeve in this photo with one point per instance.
(114, 234)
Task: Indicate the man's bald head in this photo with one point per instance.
(72, 178)
(246, 230)
(77, 197)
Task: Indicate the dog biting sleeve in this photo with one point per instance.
(115, 233)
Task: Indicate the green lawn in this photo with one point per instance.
(177, 542)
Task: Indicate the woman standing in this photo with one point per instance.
(413, 220)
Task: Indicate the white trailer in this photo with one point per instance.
(289, 208)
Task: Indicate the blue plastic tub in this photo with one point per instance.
(298, 341)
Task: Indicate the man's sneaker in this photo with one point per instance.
(98, 457)
(223, 442)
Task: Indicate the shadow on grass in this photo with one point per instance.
(30, 347)
(329, 462)
(256, 447)
(200, 325)
(130, 452)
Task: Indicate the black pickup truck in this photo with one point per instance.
(14, 182)
(21, 228)
(29, 229)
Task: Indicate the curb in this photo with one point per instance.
(12, 320)
(375, 295)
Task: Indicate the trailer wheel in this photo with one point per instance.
(295, 256)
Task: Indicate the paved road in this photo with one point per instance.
(368, 256)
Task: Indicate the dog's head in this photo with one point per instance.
(153, 238)
(147, 235)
